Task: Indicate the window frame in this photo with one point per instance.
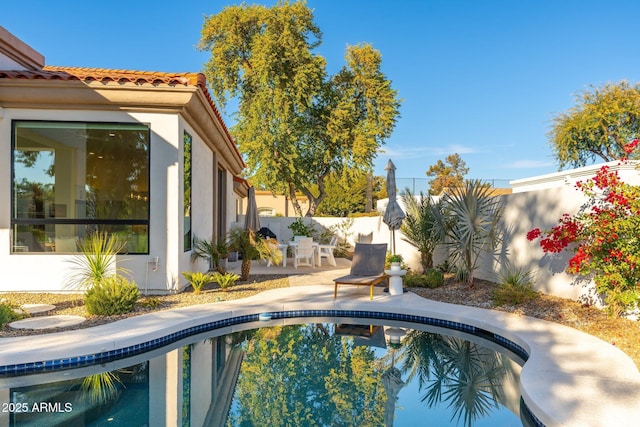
(15, 221)
(187, 180)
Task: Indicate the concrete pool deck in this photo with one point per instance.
(570, 379)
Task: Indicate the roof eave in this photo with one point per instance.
(188, 100)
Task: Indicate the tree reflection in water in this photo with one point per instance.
(304, 375)
(451, 370)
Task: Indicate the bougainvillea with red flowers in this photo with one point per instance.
(604, 237)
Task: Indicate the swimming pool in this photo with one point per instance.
(326, 374)
(570, 378)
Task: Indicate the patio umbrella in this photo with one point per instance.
(393, 215)
(392, 383)
(252, 219)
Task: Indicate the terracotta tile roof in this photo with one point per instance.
(103, 75)
(122, 76)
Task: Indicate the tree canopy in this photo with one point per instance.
(598, 126)
(347, 195)
(447, 174)
(295, 124)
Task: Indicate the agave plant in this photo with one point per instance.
(475, 215)
(98, 260)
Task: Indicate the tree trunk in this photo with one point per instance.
(426, 260)
(245, 268)
(294, 200)
(368, 207)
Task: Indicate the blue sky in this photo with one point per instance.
(479, 78)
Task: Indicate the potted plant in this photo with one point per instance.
(299, 228)
(395, 261)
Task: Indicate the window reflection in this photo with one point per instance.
(75, 178)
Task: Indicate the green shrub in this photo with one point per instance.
(197, 280)
(112, 295)
(225, 280)
(434, 278)
(413, 280)
(299, 228)
(444, 267)
(431, 279)
(150, 303)
(512, 294)
(515, 275)
(515, 285)
(8, 313)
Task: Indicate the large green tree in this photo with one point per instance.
(447, 174)
(346, 194)
(295, 124)
(598, 126)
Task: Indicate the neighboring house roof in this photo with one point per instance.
(241, 186)
(103, 79)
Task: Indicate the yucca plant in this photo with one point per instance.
(100, 388)
(475, 214)
(515, 285)
(98, 260)
(197, 280)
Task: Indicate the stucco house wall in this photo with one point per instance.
(169, 105)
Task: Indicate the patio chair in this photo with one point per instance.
(367, 267)
(304, 253)
(326, 251)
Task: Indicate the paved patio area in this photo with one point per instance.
(570, 379)
(302, 276)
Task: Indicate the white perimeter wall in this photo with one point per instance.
(523, 211)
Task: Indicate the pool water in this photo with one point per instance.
(311, 374)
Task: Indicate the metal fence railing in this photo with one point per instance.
(421, 185)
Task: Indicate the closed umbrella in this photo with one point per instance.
(392, 383)
(393, 215)
(252, 219)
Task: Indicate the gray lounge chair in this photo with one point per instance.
(367, 267)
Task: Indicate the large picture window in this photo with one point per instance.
(71, 179)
